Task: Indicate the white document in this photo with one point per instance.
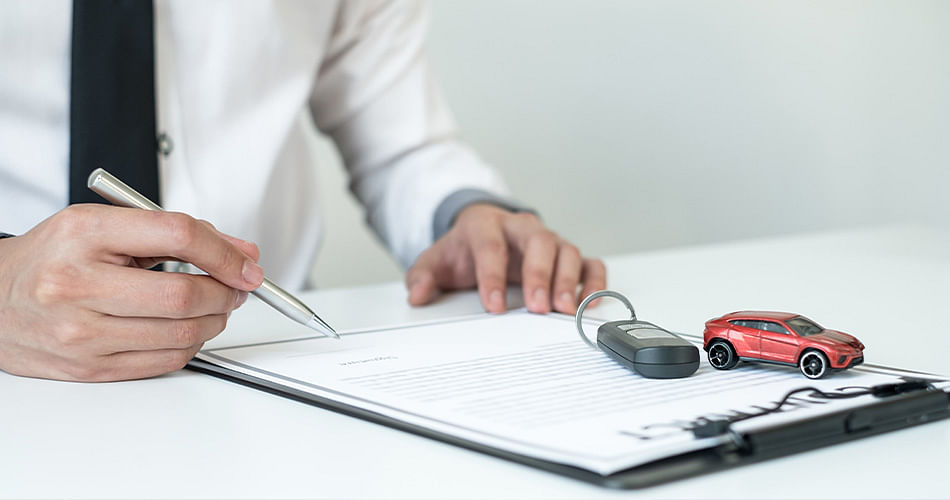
(527, 384)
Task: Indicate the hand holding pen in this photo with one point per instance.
(121, 194)
(78, 303)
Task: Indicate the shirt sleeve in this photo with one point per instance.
(376, 99)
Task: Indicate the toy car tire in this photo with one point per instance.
(813, 364)
(721, 355)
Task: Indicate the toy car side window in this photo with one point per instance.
(748, 323)
(773, 327)
(758, 325)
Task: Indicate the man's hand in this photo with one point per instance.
(78, 303)
(491, 247)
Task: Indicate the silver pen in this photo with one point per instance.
(119, 193)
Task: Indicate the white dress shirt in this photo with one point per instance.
(238, 84)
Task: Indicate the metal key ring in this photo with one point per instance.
(602, 293)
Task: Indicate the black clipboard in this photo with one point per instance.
(887, 414)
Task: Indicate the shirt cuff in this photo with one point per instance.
(450, 207)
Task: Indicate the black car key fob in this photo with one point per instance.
(641, 346)
(648, 349)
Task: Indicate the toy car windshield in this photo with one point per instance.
(804, 326)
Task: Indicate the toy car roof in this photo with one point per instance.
(781, 316)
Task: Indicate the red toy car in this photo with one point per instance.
(779, 337)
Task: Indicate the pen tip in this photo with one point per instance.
(321, 326)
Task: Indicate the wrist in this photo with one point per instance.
(453, 205)
(481, 209)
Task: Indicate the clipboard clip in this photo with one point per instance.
(706, 428)
(853, 421)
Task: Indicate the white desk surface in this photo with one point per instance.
(190, 435)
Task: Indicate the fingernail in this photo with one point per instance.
(540, 298)
(252, 273)
(496, 300)
(566, 299)
(241, 299)
(414, 292)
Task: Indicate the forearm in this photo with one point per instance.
(376, 98)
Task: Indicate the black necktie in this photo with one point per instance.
(112, 96)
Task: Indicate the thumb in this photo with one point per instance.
(249, 248)
(420, 280)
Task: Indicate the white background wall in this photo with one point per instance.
(634, 125)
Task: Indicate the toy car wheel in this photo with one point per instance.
(813, 364)
(722, 356)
